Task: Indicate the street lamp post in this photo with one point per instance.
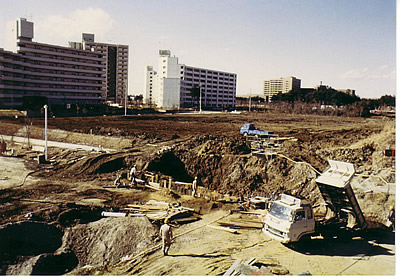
(200, 98)
(45, 132)
(126, 94)
(250, 101)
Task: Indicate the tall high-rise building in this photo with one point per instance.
(47, 74)
(281, 85)
(116, 63)
(173, 84)
(149, 85)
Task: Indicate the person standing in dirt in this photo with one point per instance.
(117, 181)
(194, 187)
(132, 175)
(166, 236)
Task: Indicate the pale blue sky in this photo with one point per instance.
(344, 44)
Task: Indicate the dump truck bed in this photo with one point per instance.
(334, 185)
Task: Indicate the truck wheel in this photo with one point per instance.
(345, 235)
(305, 239)
(302, 244)
(245, 134)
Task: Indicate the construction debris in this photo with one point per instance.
(246, 268)
(156, 211)
(241, 225)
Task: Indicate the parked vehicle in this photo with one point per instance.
(249, 129)
(291, 219)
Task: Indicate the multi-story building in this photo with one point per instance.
(116, 63)
(148, 91)
(48, 74)
(281, 85)
(172, 85)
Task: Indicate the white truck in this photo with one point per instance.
(291, 219)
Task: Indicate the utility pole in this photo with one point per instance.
(250, 101)
(45, 132)
(126, 94)
(200, 98)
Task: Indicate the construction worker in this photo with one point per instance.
(132, 175)
(117, 181)
(166, 236)
(194, 187)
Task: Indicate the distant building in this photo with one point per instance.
(281, 85)
(171, 86)
(149, 85)
(48, 74)
(115, 84)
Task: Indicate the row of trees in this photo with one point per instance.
(327, 100)
(322, 95)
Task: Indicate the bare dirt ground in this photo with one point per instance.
(66, 196)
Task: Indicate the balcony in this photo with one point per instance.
(85, 55)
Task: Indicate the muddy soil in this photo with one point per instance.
(68, 193)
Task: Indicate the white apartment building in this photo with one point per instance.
(171, 85)
(115, 84)
(281, 85)
(47, 74)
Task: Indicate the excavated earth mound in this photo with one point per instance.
(226, 165)
(107, 240)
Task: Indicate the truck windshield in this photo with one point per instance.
(281, 212)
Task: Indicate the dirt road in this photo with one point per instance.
(214, 251)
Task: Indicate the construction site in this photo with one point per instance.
(70, 203)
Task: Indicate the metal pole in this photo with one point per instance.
(45, 132)
(200, 98)
(250, 101)
(126, 94)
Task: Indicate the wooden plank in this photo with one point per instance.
(120, 186)
(182, 183)
(251, 261)
(113, 214)
(148, 207)
(231, 270)
(135, 205)
(186, 220)
(139, 210)
(42, 201)
(153, 186)
(247, 221)
(240, 225)
(251, 212)
(223, 228)
(136, 215)
(188, 209)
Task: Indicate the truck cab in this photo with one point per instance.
(289, 219)
(249, 129)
